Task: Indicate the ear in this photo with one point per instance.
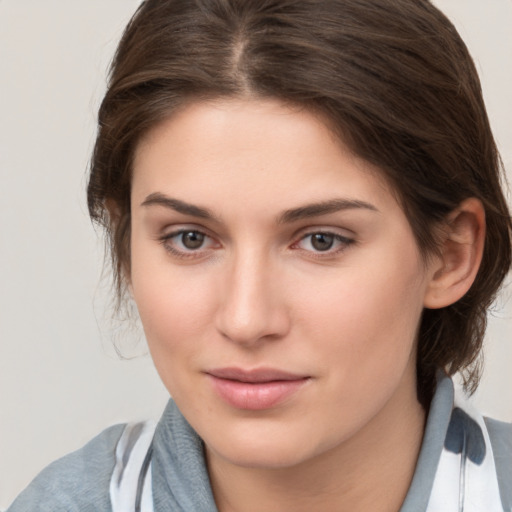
(454, 270)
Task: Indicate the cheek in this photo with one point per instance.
(368, 318)
(173, 319)
(172, 310)
(175, 304)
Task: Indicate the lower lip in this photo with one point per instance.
(256, 396)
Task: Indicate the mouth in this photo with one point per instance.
(256, 389)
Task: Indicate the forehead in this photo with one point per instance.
(256, 149)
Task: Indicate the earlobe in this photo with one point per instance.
(460, 255)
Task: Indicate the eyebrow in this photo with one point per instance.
(180, 206)
(323, 208)
(288, 216)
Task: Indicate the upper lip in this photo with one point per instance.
(255, 375)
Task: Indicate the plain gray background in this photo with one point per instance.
(61, 381)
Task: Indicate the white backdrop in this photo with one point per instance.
(60, 380)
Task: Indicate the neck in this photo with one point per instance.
(371, 471)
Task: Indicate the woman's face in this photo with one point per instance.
(277, 279)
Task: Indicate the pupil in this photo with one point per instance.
(322, 242)
(192, 239)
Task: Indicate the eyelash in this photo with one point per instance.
(344, 241)
(166, 239)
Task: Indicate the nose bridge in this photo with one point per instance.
(251, 307)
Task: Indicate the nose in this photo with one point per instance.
(251, 306)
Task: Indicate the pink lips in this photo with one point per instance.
(255, 389)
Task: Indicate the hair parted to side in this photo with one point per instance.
(392, 76)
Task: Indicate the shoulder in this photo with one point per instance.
(500, 434)
(500, 431)
(77, 482)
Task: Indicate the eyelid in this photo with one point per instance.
(344, 239)
(174, 231)
(327, 230)
(171, 230)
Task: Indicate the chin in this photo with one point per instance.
(267, 456)
(264, 447)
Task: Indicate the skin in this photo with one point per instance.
(256, 292)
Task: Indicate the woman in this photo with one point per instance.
(303, 199)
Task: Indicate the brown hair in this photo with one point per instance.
(393, 76)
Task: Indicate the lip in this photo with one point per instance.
(255, 389)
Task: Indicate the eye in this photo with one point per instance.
(191, 239)
(324, 242)
(187, 242)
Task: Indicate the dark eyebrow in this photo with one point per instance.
(180, 206)
(323, 208)
(288, 216)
